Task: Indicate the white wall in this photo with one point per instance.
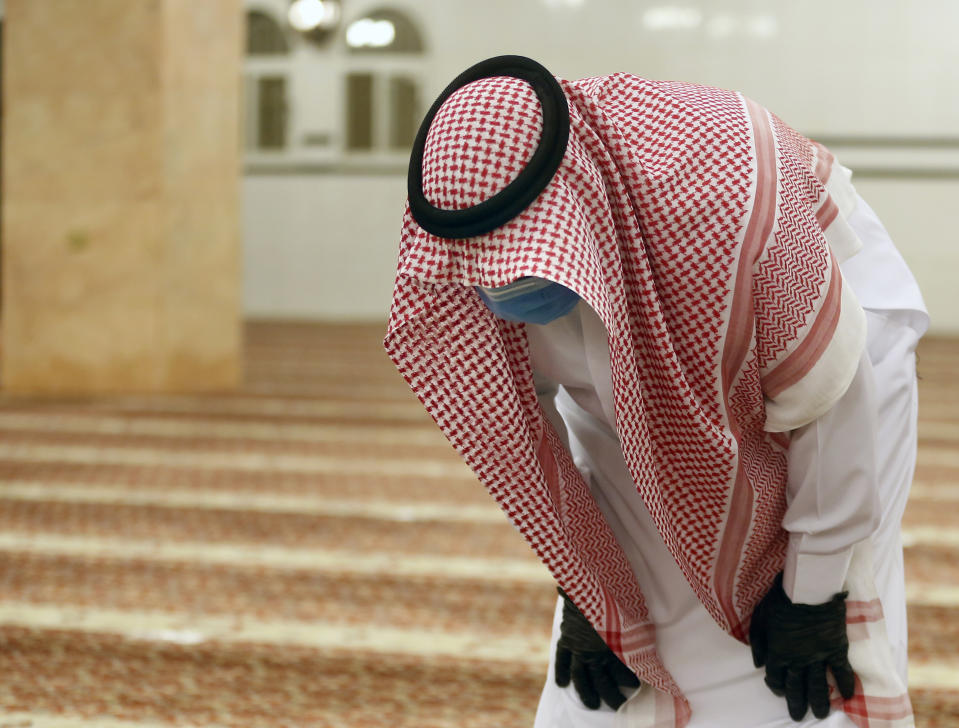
(323, 244)
(917, 215)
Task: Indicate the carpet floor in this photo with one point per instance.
(309, 551)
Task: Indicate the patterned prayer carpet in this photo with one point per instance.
(309, 551)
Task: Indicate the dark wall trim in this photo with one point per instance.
(389, 170)
(311, 169)
(921, 145)
(940, 174)
(887, 142)
(836, 142)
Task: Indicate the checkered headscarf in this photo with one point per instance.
(703, 232)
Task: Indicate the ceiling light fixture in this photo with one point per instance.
(369, 33)
(310, 15)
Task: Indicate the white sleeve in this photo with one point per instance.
(832, 498)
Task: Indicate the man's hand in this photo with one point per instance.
(595, 669)
(797, 643)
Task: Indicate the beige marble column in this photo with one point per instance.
(121, 190)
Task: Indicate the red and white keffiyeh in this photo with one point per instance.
(703, 232)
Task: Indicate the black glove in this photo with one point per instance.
(596, 670)
(796, 643)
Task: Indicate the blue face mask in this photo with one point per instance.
(530, 300)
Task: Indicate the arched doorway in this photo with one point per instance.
(267, 71)
(386, 58)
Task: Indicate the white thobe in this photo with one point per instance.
(570, 358)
